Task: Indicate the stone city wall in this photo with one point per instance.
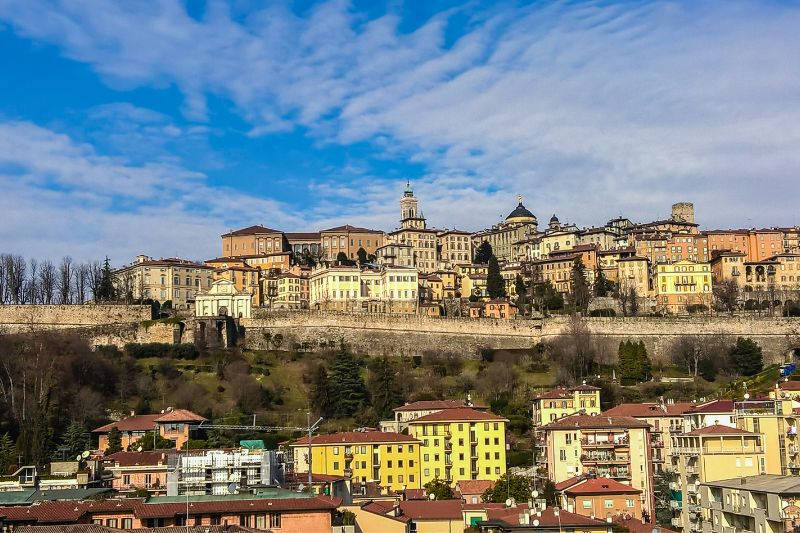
(18, 318)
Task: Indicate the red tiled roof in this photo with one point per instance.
(431, 509)
(251, 230)
(601, 485)
(426, 405)
(131, 423)
(790, 385)
(357, 437)
(715, 406)
(510, 515)
(596, 421)
(414, 494)
(348, 227)
(149, 458)
(649, 409)
(637, 526)
(300, 236)
(165, 510)
(180, 415)
(457, 415)
(569, 482)
(474, 486)
(45, 512)
(718, 429)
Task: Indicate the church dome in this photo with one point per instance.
(521, 214)
(554, 219)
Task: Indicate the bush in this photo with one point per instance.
(522, 458)
(161, 349)
(602, 312)
(696, 308)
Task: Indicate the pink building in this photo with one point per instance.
(174, 424)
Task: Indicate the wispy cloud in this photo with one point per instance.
(590, 109)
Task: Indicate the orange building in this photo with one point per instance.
(349, 239)
(500, 309)
(758, 244)
(764, 243)
(254, 240)
(600, 497)
(174, 425)
(733, 240)
(138, 470)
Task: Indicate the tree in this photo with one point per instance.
(483, 253)
(746, 357)
(509, 486)
(347, 390)
(383, 387)
(634, 365)
(106, 290)
(362, 255)
(149, 442)
(342, 259)
(320, 392)
(663, 496)
(521, 288)
(727, 295)
(580, 295)
(546, 297)
(76, 439)
(65, 280)
(440, 489)
(633, 301)
(602, 285)
(495, 284)
(7, 455)
(114, 441)
(574, 350)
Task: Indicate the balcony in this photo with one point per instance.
(657, 443)
(715, 506)
(692, 470)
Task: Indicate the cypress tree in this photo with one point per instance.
(495, 285)
(746, 357)
(320, 393)
(114, 441)
(347, 390)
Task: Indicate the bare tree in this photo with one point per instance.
(15, 277)
(65, 281)
(623, 297)
(95, 279)
(727, 295)
(47, 282)
(3, 283)
(81, 275)
(32, 283)
(574, 350)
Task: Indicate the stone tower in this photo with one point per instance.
(683, 212)
(409, 211)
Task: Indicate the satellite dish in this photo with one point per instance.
(301, 487)
(509, 502)
(431, 496)
(535, 523)
(232, 488)
(85, 454)
(139, 449)
(79, 457)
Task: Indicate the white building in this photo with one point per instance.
(223, 299)
(223, 471)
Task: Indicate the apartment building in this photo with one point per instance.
(776, 421)
(558, 271)
(560, 402)
(132, 471)
(254, 240)
(710, 413)
(727, 266)
(173, 279)
(615, 447)
(634, 273)
(665, 420)
(709, 454)
(607, 261)
(349, 239)
(461, 444)
(221, 472)
(395, 254)
(388, 289)
(390, 459)
(174, 424)
(601, 498)
(517, 226)
(409, 412)
(682, 284)
(753, 504)
(455, 247)
(286, 290)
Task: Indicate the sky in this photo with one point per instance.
(154, 126)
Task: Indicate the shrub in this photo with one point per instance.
(602, 312)
(161, 349)
(696, 308)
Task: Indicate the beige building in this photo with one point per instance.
(395, 254)
(414, 233)
(172, 279)
(557, 403)
(223, 299)
(710, 454)
(455, 247)
(616, 447)
(607, 261)
(558, 241)
(604, 238)
(254, 240)
(764, 504)
(286, 290)
(557, 271)
(776, 421)
(519, 225)
(382, 290)
(349, 239)
(634, 272)
(727, 265)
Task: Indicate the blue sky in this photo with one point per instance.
(154, 126)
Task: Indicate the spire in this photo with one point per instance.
(519, 199)
(408, 191)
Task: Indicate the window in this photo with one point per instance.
(608, 504)
(629, 503)
(275, 520)
(335, 450)
(127, 523)
(111, 522)
(336, 465)
(587, 504)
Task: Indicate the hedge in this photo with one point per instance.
(162, 349)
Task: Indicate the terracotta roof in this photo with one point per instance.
(790, 385)
(431, 509)
(414, 494)
(596, 421)
(357, 437)
(425, 405)
(637, 526)
(718, 429)
(567, 483)
(149, 458)
(649, 409)
(166, 510)
(474, 486)
(180, 415)
(601, 485)
(309, 236)
(45, 512)
(131, 423)
(348, 227)
(716, 406)
(251, 230)
(69, 528)
(510, 515)
(457, 415)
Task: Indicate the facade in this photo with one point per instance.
(455, 247)
(375, 290)
(286, 290)
(349, 239)
(175, 280)
(709, 454)
(223, 299)
(409, 412)
(174, 425)
(391, 460)
(138, 470)
(221, 472)
(519, 225)
(305, 244)
(600, 498)
(634, 273)
(607, 261)
(461, 444)
(558, 403)
(254, 240)
(245, 279)
(682, 284)
(615, 447)
(776, 421)
(763, 503)
(727, 266)
(395, 254)
(558, 271)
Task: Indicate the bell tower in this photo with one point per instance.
(410, 217)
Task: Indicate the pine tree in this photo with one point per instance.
(319, 394)
(495, 285)
(114, 441)
(483, 253)
(601, 284)
(634, 364)
(746, 357)
(580, 295)
(384, 388)
(76, 439)
(106, 292)
(347, 390)
(6, 453)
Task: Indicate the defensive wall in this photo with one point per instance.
(20, 318)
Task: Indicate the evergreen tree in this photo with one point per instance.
(483, 253)
(495, 285)
(439, 488)
(320, 398)
(746, 357)
(602, 285)
(347, 391)
(384, 388)
(663, 496)
(114, 441)
(581, 295)
(634, 364)
(362, 255)
(7, 458)
(107, 291)
(76, 439)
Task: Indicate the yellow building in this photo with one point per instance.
(461, 444)
(474, 285)
(172, 279)
(244, 278)
(558, 241)
(727, 266)
(285, 290)
(634, 273)
(708, 454)
(449, 282)
(558, 403)
(345, 288)
(607, 261)
(682, 284)
(558, 271)
(430, 287)
(390, 459)
(665, 419)
(616, 447)
(395, 254)
(519, 225)
(254, 240)
(776, 422)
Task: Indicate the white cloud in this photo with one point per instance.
(591, 109)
